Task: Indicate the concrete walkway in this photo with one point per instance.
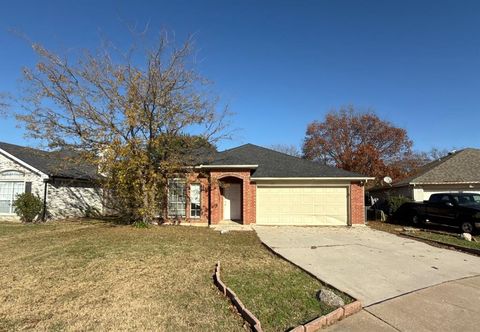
(370, 265)
(405, 285)
(452, 306)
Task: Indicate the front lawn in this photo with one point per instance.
(100, 276)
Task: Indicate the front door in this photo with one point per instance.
(232, 202)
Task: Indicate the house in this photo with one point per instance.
(457, 172)
(248, 184)
(66, 188)
(251, 184)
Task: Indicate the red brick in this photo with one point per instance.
(248, 195)
(334, 316)
(357, 204)
(316, 324)
(250, 318)
(352, 308)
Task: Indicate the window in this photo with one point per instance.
(195, 200)
(11, 175)
(8, 191)
(439, 198)
(11, 184)
(176, 198)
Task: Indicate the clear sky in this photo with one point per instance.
(281, 64)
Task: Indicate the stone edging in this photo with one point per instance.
(330, 318)
(244, 312)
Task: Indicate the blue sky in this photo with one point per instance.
(281, 64)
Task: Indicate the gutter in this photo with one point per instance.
(226, 166)
(363, 178)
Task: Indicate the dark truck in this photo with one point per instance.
(454, 209)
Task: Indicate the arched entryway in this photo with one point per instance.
(232, 200)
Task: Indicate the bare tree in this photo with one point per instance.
(291, 150)
(437, 153)
(140, 115)
(4, 105)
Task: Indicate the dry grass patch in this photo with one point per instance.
(99, 276)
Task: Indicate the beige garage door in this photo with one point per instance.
(302, 205)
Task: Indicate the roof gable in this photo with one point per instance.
(458, 167)
(54, 163)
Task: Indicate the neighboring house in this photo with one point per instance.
(248, 184)
(66, 187)
(457, 172)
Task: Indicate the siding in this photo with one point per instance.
(37, 182)
(70, 199)
(65, 198)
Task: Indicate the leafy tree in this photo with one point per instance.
(361, 142)
(141, 116)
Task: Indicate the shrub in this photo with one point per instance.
(140, 224)
(28, 206)
(394, 202)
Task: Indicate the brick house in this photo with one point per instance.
(248, 184)
(251, 184)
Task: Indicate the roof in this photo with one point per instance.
(274, 164)
(458, 167)
(265, 163)
(52, 163)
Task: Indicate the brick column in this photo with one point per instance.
(357, 204)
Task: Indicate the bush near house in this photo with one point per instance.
(28, 206)
(394, 202)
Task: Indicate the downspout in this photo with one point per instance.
(44, 212)
(209, 202)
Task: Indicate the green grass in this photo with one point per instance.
(447, 239)
(99, 276)
(442, 237)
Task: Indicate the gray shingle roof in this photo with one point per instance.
(275, 164)
(461, 166)
(270, 163)
(54, 163)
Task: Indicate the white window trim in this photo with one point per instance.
(168, 199)
(13, 179)
(199, 200)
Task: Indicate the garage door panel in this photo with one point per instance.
(302, 205)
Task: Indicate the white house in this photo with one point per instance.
(68, 189)
(457, 172)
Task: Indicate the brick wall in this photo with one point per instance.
(357, 204)
(248, 195)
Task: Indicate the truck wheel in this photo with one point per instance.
(466, 227)
(416, 220)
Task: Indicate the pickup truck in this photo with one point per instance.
(454, 209)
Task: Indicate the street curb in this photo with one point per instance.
(242, 310)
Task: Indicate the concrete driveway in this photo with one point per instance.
(370, 265)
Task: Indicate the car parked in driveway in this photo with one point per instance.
(454, 209)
